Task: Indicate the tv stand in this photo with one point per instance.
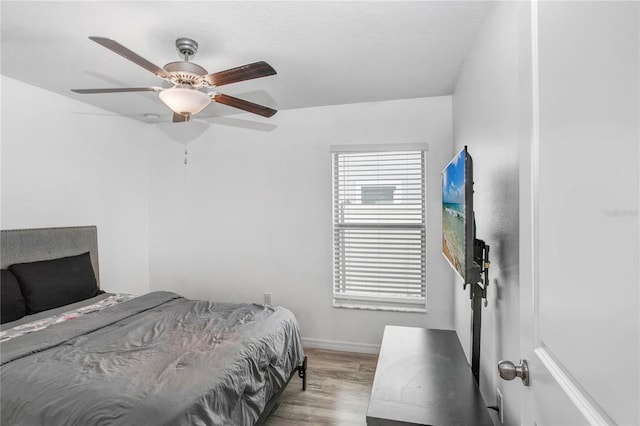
(423, 378)
(478, 294)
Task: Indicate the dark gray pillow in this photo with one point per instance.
(13, 306)
(48, 284)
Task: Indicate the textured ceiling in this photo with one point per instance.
(325, 52)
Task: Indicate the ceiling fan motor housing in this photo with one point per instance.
(185, 72)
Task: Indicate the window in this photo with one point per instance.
(379, 233)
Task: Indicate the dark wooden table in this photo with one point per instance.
(423, 378)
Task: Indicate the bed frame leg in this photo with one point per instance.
(302, 373)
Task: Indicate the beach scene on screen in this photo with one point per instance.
(453, 213)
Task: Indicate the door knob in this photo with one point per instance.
(508, 371)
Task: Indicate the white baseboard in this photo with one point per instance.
(336, 345)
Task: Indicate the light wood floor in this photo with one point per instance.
(338, 388)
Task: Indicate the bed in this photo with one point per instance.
(116, 359)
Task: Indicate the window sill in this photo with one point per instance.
(365, 307)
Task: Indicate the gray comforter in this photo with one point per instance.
(158, 359)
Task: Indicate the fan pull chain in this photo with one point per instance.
(186, 142)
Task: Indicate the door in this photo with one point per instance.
(579, 224)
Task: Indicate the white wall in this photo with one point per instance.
(65, 163)
(251, 213)
(486, 106)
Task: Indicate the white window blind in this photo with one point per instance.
(379, 230)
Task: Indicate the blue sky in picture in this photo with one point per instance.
(453, 180)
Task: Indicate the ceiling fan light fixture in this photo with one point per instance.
(185, 101)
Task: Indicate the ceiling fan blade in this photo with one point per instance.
(130, 55)
(245, 72)
(180, 118)
(118, 90)
(244, 105)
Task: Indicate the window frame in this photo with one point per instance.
(353, 299)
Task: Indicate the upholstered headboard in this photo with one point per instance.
(30, 245)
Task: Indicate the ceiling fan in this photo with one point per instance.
(188, 94)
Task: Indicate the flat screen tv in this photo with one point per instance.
(458, 231)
